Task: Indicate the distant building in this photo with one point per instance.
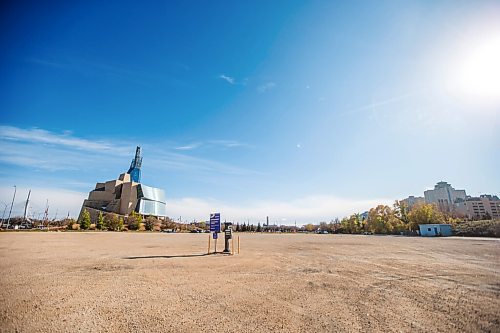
(412, 201)
(444, 196)
(433, 230)
(483, 207)
(124, 195)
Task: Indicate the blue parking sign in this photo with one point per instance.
(215, 222)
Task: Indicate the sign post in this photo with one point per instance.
(208, 252)
(215, 226)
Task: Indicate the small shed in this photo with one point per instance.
(433, 230)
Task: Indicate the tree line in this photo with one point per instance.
(382, 219)
(115, 222)
(394, 220)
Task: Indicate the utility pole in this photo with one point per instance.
(11, 205)
(4, 210)
(46, 215)
(26, 206)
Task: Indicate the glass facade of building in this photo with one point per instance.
(151, 201)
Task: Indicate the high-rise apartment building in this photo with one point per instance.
(483, 207)
(444, 196)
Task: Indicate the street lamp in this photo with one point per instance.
(11, 205)
(4, 210)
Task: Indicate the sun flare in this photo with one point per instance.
(477, 72)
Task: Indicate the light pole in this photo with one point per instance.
(4, 210)
(11, 205)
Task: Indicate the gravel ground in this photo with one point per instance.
(145, 282)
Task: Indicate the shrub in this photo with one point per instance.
(485, 228)
(114, 222)
(150, 223)
(134, 221)
(100, 222)
(70, 224)
(85, 220)
(120, 224)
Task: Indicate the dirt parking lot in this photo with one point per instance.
(133, 282)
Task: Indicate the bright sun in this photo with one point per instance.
(477, 72)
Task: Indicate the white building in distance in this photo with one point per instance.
(444, 196)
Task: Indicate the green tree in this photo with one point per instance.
(344, 226)
(352, 224)
(357, 222)
(309, 227)
(259, 228)
(401, 210)
(383, 220)
(100, 222)
(85, 220)
(396, 226)
(424, 214)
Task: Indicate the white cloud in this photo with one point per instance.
(307, 209)
(303, 210)
(43, 150)
(91, 67)
(228, 143)
(61, 201)
(42, 136)
(213, 144)
(377, 104)
(52, 157)
(190, 146)
(266, 86)
(228, 79)
(162, 161)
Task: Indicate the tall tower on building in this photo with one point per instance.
(126, 194)
(135, 166)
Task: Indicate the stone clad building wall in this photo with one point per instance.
(123, 196)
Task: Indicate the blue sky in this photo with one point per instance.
(300, 110)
